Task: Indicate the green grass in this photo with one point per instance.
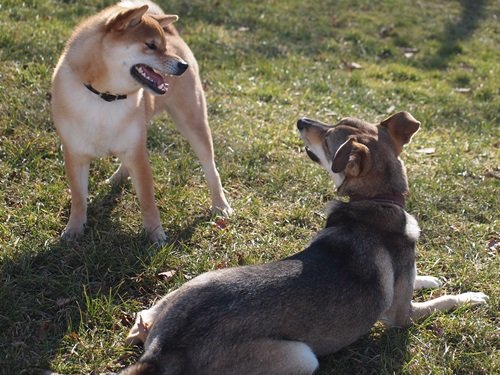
(67, 306)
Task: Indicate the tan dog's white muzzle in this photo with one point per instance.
(175, 67)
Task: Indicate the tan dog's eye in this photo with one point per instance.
(151, 45)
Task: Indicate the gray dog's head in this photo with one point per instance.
(362, 158)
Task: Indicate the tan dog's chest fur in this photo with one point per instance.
(100, 132)
(276, 318)
(127, 54)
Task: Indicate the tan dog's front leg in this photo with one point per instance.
(199, 136)
(142, 178)
(77, 171)
(190, 116)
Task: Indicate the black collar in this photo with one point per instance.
(397, 199)
(106, 95)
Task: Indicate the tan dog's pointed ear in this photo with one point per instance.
(126, 18)
(352, 158)
(401, 126)
(165, 19)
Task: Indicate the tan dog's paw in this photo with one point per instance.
(224, 210)
(473, 298)
(157, 236)
(72, 232)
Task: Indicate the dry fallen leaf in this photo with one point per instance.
(438, 330)
(220, 223)
(221, 265)
(167, 275)
(493, 173)
(61, 302)
(126, 319)
(351, 65)
(427, 150)
(385, 31)
(74, 336)
(493, 245)
(354, 65)
(409, 52)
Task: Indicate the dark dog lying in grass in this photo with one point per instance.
(276, 318)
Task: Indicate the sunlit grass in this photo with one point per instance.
(67, 306)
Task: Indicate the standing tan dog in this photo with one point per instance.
(112, 78)
(276, 318)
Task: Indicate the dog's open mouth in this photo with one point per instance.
(150, 78)
(312, 155)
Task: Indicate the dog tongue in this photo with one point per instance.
(155, 78)
(158, 79)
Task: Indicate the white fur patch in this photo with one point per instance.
(412, 229)
(317, 149)
(426, 282)
(386, 275)
(473, 298)
(302, 353)
(338, 178)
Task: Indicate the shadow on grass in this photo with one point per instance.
(48, 289)
(379, 353)
(472, 12)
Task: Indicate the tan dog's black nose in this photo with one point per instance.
(181, 67)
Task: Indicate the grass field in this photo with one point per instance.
(66, 307)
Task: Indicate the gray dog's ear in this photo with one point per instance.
(126, 18)
(352, 158)
(401, 126)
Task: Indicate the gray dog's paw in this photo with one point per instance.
(473, 298)
(422, 282)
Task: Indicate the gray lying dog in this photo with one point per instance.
(276, 318)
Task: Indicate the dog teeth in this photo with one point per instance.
(145, 74)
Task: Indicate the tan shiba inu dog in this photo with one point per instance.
(114, 75)
(277, 318)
